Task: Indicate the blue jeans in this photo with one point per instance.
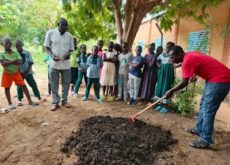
(214, 94)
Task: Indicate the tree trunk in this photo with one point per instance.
(135, 11)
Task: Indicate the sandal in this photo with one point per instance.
(11, 107)
(4, 110)
(199, 144)
(158, 108)
(192, 131)
(34, 103)
(164, 110)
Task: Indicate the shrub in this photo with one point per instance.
(185, 99)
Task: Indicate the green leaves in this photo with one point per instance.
(27, 20)
(184, 8)
(90, 19)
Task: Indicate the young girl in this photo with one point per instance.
(94, 63)
(149, 75)
(135, 75)
(108, 73)
(101, 53)
(118, 50)
(166, 77)
(82, 68)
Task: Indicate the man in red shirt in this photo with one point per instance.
(217, 86)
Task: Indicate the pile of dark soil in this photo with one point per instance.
(117, 141)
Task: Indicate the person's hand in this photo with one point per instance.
(168, 94)
(4, 63)
(24, 74)
(67, 56)
(193, 79)
(55, 58)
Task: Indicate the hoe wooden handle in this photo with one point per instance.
(151, 105)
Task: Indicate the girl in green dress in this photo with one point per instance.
(165, 78)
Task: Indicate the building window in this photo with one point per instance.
(198, 41)
(157, 42)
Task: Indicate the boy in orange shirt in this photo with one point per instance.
(10, 60)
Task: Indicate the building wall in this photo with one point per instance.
(219, 41)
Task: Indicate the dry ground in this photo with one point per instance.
(33, 135)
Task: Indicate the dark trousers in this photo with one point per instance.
(74, 74)
(32, 83)
(95, 82)
(79, 80)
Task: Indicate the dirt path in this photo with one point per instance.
(32, 136)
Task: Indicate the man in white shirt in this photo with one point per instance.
(59, 45)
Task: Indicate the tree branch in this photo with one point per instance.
(128, 14)
(118, 18)
(136, 11)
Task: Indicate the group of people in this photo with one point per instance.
(120, 75)
(17, 68)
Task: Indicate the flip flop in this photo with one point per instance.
(4, 110)
(192, 131)
(34, 103)
(164, 110)
(158, 108)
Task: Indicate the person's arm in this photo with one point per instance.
(13, 62)
(88, 61)
(179, 86)
(101, 62)
(47, 45)
(177, 65)
(157, 64)
(31, 62)
(67, 56)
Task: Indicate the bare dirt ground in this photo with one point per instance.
(33, 135)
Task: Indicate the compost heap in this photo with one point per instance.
(105, 140)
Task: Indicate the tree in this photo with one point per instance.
(128, 14)
(27, 19)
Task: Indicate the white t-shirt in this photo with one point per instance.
(124, 60)
(60, 45)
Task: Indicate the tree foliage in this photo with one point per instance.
(27, 19)
(128, 14)
(90, 20)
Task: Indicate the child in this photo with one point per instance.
(25, 68)
(94, 63)
(101, 53)
(149, 75)
(74, 67)
(166, 77)
(82, 68)
(46, 60)
(108, 73)
(159, 51)
(135, 75)
(10, 60)
(118, 50)
(124, 59)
